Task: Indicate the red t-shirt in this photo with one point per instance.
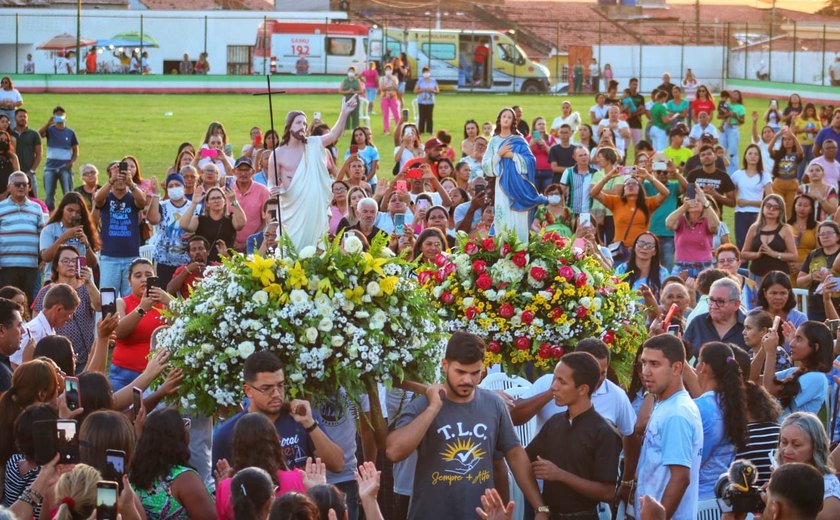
(131, 351)
(699, 105)
(481, 53)
(189, 282)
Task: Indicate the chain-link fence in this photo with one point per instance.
(641, 48)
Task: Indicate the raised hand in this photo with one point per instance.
(314, 474)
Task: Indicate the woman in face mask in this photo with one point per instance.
(170, 250)
(388, 85)
(426, 88)
(351, 86)
(554, 216)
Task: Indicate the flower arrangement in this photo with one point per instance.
(533, 302)
(344, 317)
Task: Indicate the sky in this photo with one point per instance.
(799, 5)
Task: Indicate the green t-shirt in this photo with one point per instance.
(657, 219)
(680, 155)
(739, 109)
(657, 112)
(612, 183)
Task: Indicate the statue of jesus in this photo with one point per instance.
(297, 174)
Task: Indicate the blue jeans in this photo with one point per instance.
(121, 377)
(55, 172)
(666, 252)
(113, 272)
(807, 157)
(743, 221)
(201, 439)
(730, 139)
(544, 178)
(350, 489)
(692, 271)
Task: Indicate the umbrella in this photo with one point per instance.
(128, 39)
(64, 42)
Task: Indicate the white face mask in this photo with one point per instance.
(388, 72)
(175, 192)
(554, 199)
(427, 75)
(351, 74)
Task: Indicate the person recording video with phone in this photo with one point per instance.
(187, 275)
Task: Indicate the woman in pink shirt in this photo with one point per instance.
(371, 77)
(540, 143)
(694, 224)
(256, 444)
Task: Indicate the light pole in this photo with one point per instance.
(78, 34)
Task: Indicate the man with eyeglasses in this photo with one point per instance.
(724, 321)
(11, 327)
(20, 229)
(300, 434)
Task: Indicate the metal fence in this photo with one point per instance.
(642, 48)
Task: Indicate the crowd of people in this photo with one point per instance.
(741, 370)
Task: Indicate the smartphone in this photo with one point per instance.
(106, 500)
(670, 315)
(108, 297)
(422, 204)
(691, 191)
(399, 224)
(258, 140)
(114, 465)
(833, 325)
(81, 262)
(316, 116)
(585, 219)
(228, 149)
(71, 393)
(579, 243)
(44, 438)
(405, 114)
(137, 398)
(414, 173)
(776, 323)
(354, 149)
(123, 166)
(68, 441)
(209, 152)
(535, 134)
(152, 281)
(229, 181)
(673, 330)
(76, 221)
(628, 170)
(479, 189)
(659, 166)
(773, 103)
(400, 186)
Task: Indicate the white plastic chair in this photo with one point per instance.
(708, 510)
(502, 381)
(147, 252)
(801, 296)
(364, 116)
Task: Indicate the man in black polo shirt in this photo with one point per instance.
(634, 121)
(716, 183)
(562, 155)
(576, 479)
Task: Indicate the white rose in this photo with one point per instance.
(352, 244)
(468, 302)
(207, 348)
(231, 352)
(325, 325)
(296, 377)
(260, 297)
(373, 289)
(311, 334)
(246, 348)
(307, 252)
(337, 341)
(585, 302)
(490, 294)
(298, 297)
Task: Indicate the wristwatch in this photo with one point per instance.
(140, 311)
(544, 509)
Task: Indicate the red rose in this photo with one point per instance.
(506, 311)
(424, 277)
(580, 280)
(484, 282)
(538, 273)
(556, 313)
(471, 248)
(609, 337)
(494, 346)
(471, 312)
(506, 249)
(581, 312)
(527, 317)
(567, 272)
(522, 343)
(488, 244)
(561, 241)
(449, 269)
(544, 354)
(447, 297)
(480, 266)
(440, 260)
(440, 276)
(557, 351)
(519, 259)
(551, 236)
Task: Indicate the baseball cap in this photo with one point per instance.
(243, 160)
(434, 142)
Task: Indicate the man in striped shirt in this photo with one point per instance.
(20, 227)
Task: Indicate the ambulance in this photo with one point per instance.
(464, 60)
(329, 48)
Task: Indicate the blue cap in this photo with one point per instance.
(174, 177)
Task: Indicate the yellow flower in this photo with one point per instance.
(355, 294)
(325, 286)
(297, 277)
(389, 284)
(261, 269)
(373, 264)
(276, 291)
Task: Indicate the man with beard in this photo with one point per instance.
(187, 275)
(431, 156)
(297, 175)
(456, 428)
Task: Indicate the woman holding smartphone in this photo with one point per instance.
(214, 222)
(139, 317)
(70, 224)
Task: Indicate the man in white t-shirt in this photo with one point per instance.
(620, 129)
(60, 305)
(474, 160)
(828, 161)
(609, 400)
(703, 127)
(834, 72)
